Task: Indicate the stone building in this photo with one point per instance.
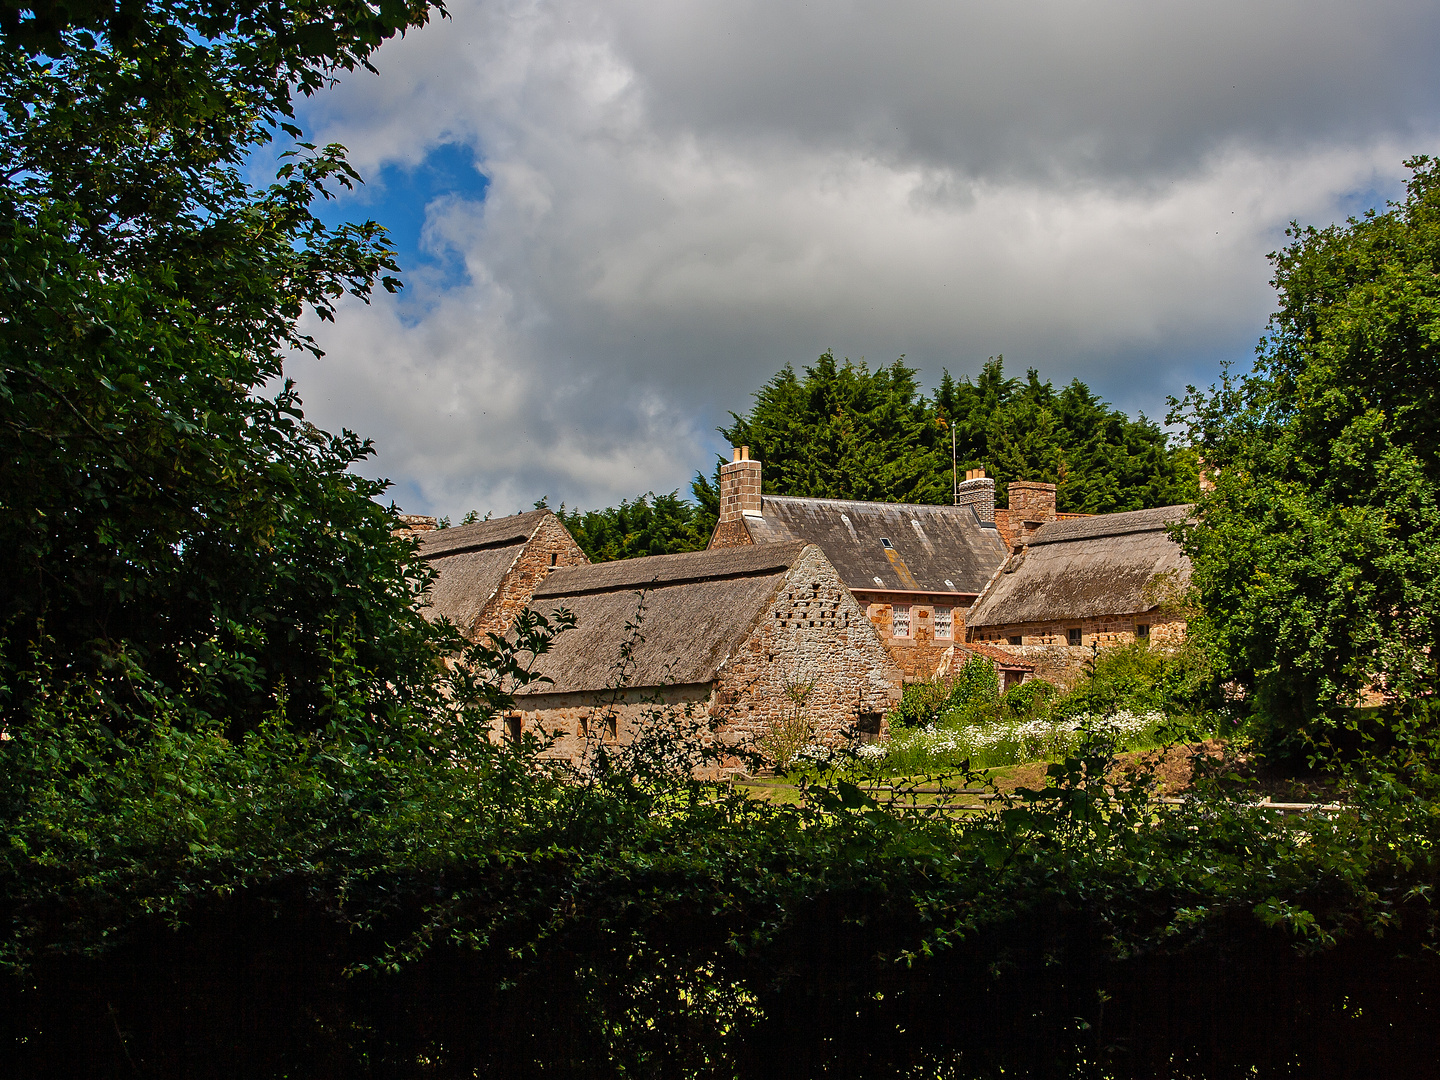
(1010, 670)
(1071, 587)
(743, 638)
(487, 572)
(915, 569)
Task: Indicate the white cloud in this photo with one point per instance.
(683, 196)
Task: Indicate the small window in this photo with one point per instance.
(1074, 636)
(512, 727)
(944, 622)
(1142, 631)
(612, 728)
(885, 542)
(900, 621)
(1015, 639)
(869, 724)
(553, 557)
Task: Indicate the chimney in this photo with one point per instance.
(977, 491)
(1032, 505)
(1207, 476)
(739, 486)
(410, 524)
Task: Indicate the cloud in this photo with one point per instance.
(681, 197)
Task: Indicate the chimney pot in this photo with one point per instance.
(735, 454)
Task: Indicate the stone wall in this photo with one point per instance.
(814, 634)
(813, 642)
(1047, 645)
(920, 654)
(549, 547)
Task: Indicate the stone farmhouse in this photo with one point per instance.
(487, 572)
(914, 569)
(739, 636)
(1071, 587)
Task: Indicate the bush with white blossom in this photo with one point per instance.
(1002, 742)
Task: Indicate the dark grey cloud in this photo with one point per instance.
(684, 196)
(1052, 88)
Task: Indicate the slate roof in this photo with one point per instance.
(471, 561)
(1084, 568)
(698, 607)
(932, 548)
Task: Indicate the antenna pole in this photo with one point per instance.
(954, 471)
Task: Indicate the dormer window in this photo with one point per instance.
(885, 542)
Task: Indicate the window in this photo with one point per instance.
(944, 622)
(869, 726)
(900, 621)
(612, 728)
(1142, 631)
(1015, 639)
(1074, 635)
(553, 557)
(512, 727)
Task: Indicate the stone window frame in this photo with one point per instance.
(944, 624)
(1142, 631)
(1075, 636)
(897, 620)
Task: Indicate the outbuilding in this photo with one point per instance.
(761, 644)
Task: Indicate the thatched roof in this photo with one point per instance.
(697, 608)
(1084, 568)
(471, 561)
(932, 548)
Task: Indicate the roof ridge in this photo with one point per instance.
(863, 502)
(685, 568)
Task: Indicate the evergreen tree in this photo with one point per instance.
(845, 432)
(649, 525)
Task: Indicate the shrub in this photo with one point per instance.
(1139, 677)
(1029, 699)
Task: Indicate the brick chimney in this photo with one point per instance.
(1032, 504)
(739, 486)
(978, 491)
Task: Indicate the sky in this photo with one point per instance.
(618, 219)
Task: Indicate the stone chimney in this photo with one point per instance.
(1032, 504)
(739, 487)
(977, 491)
(410, 524)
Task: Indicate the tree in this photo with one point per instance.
(843, 431)
(157, 508)
(650, 525)
(1317, 557)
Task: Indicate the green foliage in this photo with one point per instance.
(650, 525)
(1317, 557)
(974, 684)
(160, 511)
(1144, 678)
(1029, 699)
(843, 431)
(972, 689)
